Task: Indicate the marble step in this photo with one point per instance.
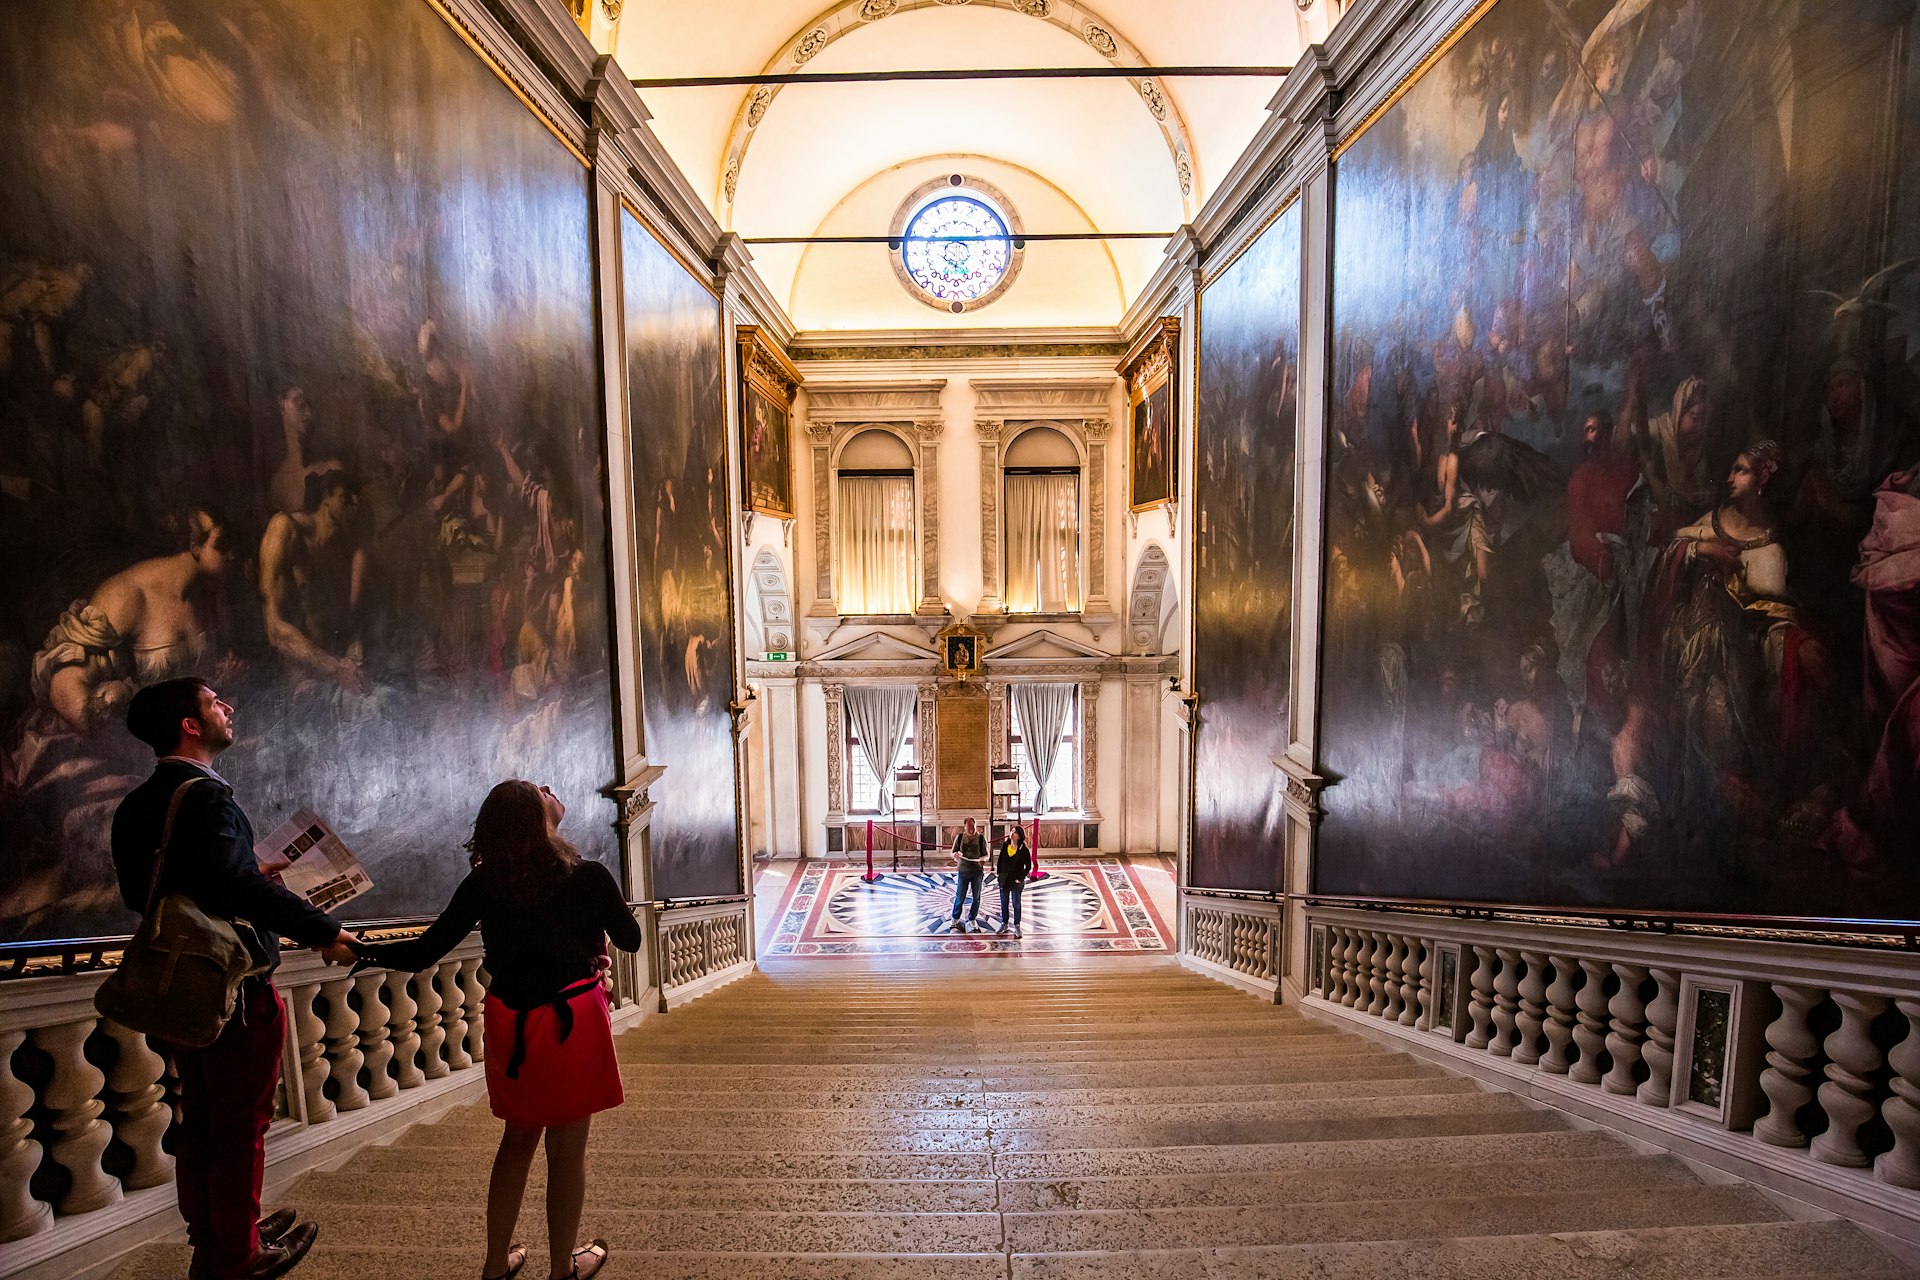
(1744, 1251)
(462, 1260)
(1276, 1083)
(1406, 1181)
(677, 1229)
(1020, 1110)
(1191, 1227)
(1452, 1095)
(1545, 1143)
(980, 1057)
(461, 1187)
(424, 1159)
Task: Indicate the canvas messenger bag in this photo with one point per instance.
(180, 975)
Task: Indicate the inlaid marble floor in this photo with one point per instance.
(1083, 906)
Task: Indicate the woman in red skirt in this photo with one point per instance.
(546, 916)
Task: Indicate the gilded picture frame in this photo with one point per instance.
(768, 383)
(1151, 371)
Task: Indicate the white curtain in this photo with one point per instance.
(876, 544)
(882, 717)
(1043, 543)
(1042, 710)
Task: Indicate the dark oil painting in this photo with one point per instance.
(297, 395)
(1243, 564)
(678, 424)
(1153, 448)
(1623, 540)
(769, 453)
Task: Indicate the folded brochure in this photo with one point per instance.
(312, 861)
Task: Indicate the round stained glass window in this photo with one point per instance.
(957, 251)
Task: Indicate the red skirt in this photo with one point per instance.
(556, 1081)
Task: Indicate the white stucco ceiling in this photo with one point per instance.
(1072, 154)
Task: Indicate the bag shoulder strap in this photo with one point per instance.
(166, 837)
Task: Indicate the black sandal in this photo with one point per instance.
(596, 1253)
(516, 1259)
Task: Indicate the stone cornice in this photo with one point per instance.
(897, 401)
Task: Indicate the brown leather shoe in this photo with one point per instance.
(277, 1224)
(280, 1257)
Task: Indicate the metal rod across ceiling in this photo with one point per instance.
(1019, 241)
(961, 73)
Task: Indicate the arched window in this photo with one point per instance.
(1041, 476)
(959, 243)
(876, 567)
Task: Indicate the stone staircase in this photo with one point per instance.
(1115, 1119)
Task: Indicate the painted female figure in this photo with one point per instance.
(1731, 667)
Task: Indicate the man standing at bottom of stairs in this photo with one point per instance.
(970, 856)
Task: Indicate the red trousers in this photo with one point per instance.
(220, 1148)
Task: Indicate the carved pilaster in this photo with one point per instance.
(929, 479)
(822, 436)
(989, 431)
(923, 731)
(1096, 430)
(836, 754)
(1090, 748)
(999, 748)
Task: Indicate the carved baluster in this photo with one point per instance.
(1429, 981)
(1852, 1060)
(73, 1098)
(1791, 1050)
(20, 1214)
(376, 1042)
(433, 1036)
(1480, 1004)
(1559, 1017)
(140, 1111)
(453, 1003)
(1376, 974)
(1506, 1002)
(1390, 967)
(310, 1036)
(1590, 1022)
(1626, 1030)
(1533, 1008)
(402, 1014)
(475, 997)
(1901, 1166)
(343, 1045)
(1658, 1050)
(1410, 971)
(1349, 986)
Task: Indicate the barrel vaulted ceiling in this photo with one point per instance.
(1070, 155)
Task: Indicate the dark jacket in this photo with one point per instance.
(1014, 864)
(972, 850)
(535, 950)
(210, 859)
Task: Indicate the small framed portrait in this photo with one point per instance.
(1150, 369)
(768, 382)
(960, 652)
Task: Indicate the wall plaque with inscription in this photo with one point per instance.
(961, 740)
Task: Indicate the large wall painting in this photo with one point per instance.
(1243, 559)
(1152, 375)
(676, 364)
(298, 393)
(1623, 530)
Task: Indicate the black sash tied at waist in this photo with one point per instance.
(562, 1006)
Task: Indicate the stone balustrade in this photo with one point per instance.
(699, 948)
(86, 1104)
(1767, 1047)
(1237, 939)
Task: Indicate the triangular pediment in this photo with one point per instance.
(877, 646)
(1046, 645)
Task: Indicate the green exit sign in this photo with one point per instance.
(779, 655)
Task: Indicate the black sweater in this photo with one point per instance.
(210, 859)
(1014, 864)
(535, 950)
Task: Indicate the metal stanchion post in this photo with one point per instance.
(871, 875)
